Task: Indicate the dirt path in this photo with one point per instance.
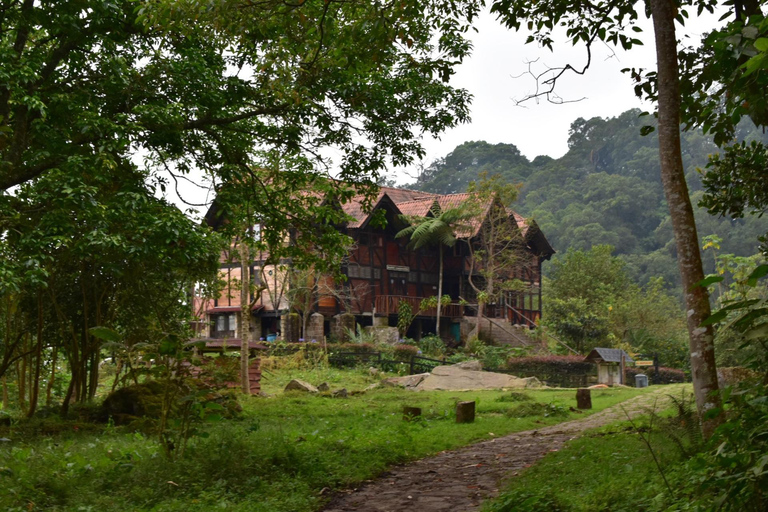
(459, 480)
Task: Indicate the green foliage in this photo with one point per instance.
(522, 501)
(404, 317)
(731, 474)
(360, 336)
(432, 346)
(403, 352)
(590, 302)
(606, 191)
(537, 409)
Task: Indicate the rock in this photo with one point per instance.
(373, 371)
(473, 365)
(532, 383)
(407, 382)
(342, 393)
(599, 386)
(300, 385)
(455, 379)
(372, 386)
(324, 387)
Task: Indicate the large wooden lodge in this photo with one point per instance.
(383, 271)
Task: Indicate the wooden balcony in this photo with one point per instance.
(388, 304)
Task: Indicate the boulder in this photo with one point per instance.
(300, 385)
(455, 379)
(407, 382)
(324, 387)
(342, 393)
(474, 365)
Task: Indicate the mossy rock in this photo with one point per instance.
(137, 401)
(145, 401)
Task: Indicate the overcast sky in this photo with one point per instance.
(496, 75)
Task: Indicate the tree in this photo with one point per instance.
(245, 92)
(439, 229)
(497, 250)
(583, 288)
(97, 250)
(607, 21)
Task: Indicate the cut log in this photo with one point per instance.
(465, 412)
(583, 398)
(409, 413)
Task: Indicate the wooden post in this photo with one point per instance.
(583, 398)
(409, 413)
(622, 366)
(465, 412)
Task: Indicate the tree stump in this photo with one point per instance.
(584, 398)
(465, 412)
(409, 413)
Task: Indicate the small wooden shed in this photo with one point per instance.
(610, 364)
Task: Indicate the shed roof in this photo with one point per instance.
(608, 355)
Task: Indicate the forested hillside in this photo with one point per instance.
(605, 190)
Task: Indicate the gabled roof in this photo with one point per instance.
(608, 355)
(417, 208)
(416, 203)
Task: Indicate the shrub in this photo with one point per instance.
(353, 347)
(432, 345)
(404, 352)
(475, 346)
(514, 396)
(560, 370)
(537, 409)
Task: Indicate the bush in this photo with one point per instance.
(353, 347)
(404, 352)
(432, 345)
(514, 396)
(732, 474)
(563, 371)
(525, 410)
(549, 365)
(667, 375)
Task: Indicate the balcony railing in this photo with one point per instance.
(388, 305)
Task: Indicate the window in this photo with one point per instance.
(224, 326)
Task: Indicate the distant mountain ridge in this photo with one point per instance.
(605, 190)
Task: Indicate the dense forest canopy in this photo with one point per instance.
(605, 190)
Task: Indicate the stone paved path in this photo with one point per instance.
(459, 480)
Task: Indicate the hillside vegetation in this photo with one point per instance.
(605, 190)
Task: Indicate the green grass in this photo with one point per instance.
(285, 454)
(608, 469)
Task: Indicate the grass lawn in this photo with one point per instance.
(286, 453)
(609, 468)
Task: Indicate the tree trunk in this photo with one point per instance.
(34, 391)
(703, 368)
(21, 378)
(439, 290)
(52, 379)
(245, 317)
(5, 393)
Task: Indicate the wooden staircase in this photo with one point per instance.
(504, 333)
